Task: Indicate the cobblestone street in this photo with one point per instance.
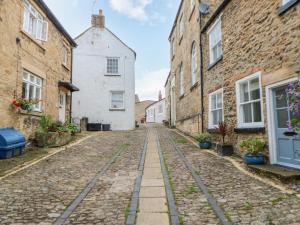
(93, 183)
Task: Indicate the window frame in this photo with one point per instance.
(210, 117)
(66, 52)
(284, 2)
(28, 82)
(240, 123)
(111, 98)
(118, 66)
(194, 63)
(181, 80)
(217, 23)
(38, 28)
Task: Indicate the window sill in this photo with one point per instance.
(33, 40)
(180, 39)
(181, 96)
(33, 113)
(112, 75)
(117, 110)
(194, 86)
(249, 130)
(287, 6)
(192, 12)
(215, 63)
(66, 67)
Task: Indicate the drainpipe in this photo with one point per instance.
(71, 96)
(201, 73)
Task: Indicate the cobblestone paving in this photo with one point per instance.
(244, 199)
(39, 194)
(191, 204)
(107, 203)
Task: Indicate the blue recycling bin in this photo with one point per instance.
(12, 143)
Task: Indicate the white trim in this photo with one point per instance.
(210, 30)
(214, 24)
(221, 90)
(237, 90)
(271, 121)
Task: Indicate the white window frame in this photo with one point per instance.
(37, 107)
(33, 23)
(240, 123)
(181, 79)
(112, 73)
(194, 63)
(216, 25)
(210, 117)
(111, 98)
(284, 2)
(65, 55)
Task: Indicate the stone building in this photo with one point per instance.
(183, 103)
(250, 54)
(140, 107)
(35, 63)
(104, 70)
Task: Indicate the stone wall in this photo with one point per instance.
(43, 59)
(188, 106)
(254, 38)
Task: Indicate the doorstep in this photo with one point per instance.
(280, 172)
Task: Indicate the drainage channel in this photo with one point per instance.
(67, 213)
(211, 200)
(171, 214)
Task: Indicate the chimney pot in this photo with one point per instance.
(98, 20)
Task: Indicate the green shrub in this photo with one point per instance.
(45, 123)
(73, 128)
(204, 137)
(253, 146)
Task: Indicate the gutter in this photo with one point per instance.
(71, 97)
(201, 74)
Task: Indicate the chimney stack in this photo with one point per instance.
(98, 20)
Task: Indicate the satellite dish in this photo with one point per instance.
(203, 8)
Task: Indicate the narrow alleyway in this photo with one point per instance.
(150, 176)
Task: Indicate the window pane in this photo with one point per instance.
(256, 112)
(220, 115)
(117, 100)
(244, 92)
(31, 92)
(281, 98)
(219, 100)
(215, 117)
(38, 93)
(282, 118)
(213, 102)
(31, 78)
(255, 89)
(24, 90)
(247, 114)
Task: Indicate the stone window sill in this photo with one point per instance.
(33, 113)
(66, 67)
(253, 130)
(215, 63)
(112, 75)
(33, 40)
(194, 86)
(287, 6)
(117, 110)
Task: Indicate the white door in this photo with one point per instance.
(62, 107)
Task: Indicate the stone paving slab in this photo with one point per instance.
(155, 205)
(153, 219)
(153, 182)
(152, 192)
(153, 175)
(152, 165)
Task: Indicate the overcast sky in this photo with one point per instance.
(144, 25)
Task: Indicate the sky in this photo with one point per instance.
(144, 25)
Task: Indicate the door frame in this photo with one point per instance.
(65, 106)
(271, 122)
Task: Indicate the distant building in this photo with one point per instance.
(104, 70)
(156, 112)
(140, 107)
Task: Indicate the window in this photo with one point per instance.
(112, 66)
(117, 100)
(285, 2)
(194, 64)
(181, 27)
(65, 55)
(181, 74)
(249, 102)
(32, 89)
(215, 42)
(33, 23)
(216, 113)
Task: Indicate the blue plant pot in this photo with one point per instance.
(258, 159)
(205, 145)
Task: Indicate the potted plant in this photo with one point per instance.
(24, 104)
(204, 140)
(224, 149)
(254, 148)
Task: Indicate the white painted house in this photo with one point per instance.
(156, 112)
(104, 70)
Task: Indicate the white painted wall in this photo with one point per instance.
(153, 113)
(89, 70)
